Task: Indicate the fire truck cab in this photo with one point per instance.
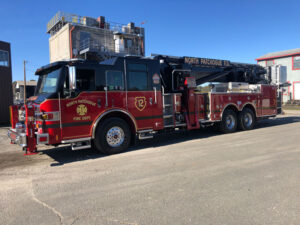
(107, 104)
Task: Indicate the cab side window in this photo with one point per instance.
(114, 80)
(137, 77)
(85, 79)
(100, 80)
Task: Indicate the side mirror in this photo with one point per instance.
(72, 78)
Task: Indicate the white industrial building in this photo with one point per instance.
(74, 36)
(284, 67)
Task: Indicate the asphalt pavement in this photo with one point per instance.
(197, 177)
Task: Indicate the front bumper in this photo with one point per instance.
(17, 138)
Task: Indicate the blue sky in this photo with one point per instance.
(237, 30)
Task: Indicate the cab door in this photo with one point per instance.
(79, 108)
(115, 89)
(144, 100)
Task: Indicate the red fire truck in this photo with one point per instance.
(108, 104)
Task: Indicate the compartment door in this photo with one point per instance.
(143, 94)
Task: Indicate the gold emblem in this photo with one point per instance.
(140, 103)
(81, 110)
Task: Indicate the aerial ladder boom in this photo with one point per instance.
(211, 70)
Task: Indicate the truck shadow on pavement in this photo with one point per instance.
(64, 155)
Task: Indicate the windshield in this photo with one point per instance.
(48, 82)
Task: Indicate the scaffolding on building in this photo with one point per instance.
(97, 36)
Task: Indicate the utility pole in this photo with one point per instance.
(24, 62)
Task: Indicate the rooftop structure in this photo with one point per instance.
(74, 36)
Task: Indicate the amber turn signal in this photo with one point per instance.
(44, 116)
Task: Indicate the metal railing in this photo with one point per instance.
(92, 45)
(61, 18)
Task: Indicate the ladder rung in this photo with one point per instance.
(168, 116)
(168, 105)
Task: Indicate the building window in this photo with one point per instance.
(270, 62)
(4, 58)
(296, 63)
(85, 40)
(128, 43)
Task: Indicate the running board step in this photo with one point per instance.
(81, 145)
(143, 136)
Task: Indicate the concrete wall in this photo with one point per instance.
(59, 45)
(293, 76)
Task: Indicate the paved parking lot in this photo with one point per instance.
(199, 177)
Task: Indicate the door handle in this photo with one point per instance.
(106, 98)
(150, 101)
(155, 98)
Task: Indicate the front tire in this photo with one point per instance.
(112, 136)
(229, 121)
(246, 119)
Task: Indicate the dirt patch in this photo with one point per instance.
(13, 156)
(17, 159)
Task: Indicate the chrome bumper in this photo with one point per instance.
(17, 138)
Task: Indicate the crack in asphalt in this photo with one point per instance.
(74, 221)
(57, 213)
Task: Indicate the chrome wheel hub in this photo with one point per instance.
(230, 122)
(115, 136)
(248, 119)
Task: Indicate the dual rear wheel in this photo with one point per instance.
(244, 120)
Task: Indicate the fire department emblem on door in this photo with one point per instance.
(140, 103)
(81, 110)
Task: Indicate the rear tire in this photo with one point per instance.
(229, 122)
(246, 119)
(112, 136)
